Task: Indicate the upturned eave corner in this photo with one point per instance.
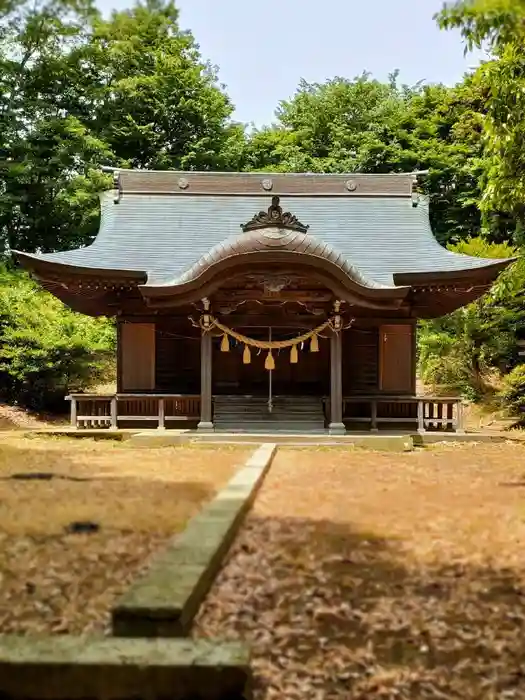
(487, 273)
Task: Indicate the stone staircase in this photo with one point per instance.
(249, 414)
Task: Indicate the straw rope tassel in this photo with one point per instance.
(269, 363)
(314, 343)
(225, 343)
(246, 355)
(294, 355)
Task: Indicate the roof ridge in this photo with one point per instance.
(178, 182)
(260, 173)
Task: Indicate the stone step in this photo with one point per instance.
(282, 426)
(264, 399)
(263, 402)
(246, 418)
(279, 412)
(290, 414)
(270, 417)
(269, 430)
(304, 410)
(276, 411)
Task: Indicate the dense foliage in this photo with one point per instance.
(45, 348)
(78, 91)
(513, 392)
(362, 125)
(500, 24)
(462, 351)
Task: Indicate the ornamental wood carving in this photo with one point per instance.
(276, 217)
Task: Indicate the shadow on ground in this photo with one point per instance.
(341, 613)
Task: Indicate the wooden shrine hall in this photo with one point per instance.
(262, 302)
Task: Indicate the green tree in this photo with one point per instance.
(458, 351)
(155, 102)
(45, 151)
(77, 92)
(364, 125)
(500, 26)
(45, 348)
(338, 126)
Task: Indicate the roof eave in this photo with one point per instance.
(48, 269)
(489, 271)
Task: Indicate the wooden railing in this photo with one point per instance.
(433, 413)
(108, 410)
(112, 410)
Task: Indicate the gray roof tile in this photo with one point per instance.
(165, 235)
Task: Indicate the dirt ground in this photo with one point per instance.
(365, 575)
(52, 580)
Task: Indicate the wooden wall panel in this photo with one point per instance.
(177, 360)
(397, 372)
(360, 361)
(137, 357)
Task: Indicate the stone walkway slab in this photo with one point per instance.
(164, 602)
(76, 668)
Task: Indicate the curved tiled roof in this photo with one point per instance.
(272, 244)
(372, 232)
(275, 240)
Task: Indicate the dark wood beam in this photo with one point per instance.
(236, 296)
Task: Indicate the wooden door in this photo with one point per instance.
(397, 372)
(137, 357)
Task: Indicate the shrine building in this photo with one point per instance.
(264, 302)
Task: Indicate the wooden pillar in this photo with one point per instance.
(336, 426)
(206, 422)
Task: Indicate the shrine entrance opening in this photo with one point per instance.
(309, 376)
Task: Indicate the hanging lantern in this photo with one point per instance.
(294, 355)
(225, 343)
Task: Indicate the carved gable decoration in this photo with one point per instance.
(275, 216)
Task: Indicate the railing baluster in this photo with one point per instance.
(73, 412)
(114, 413)
(421, 416)
(161, 425)
(450, 416)
(460, 427)
(373, 420)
